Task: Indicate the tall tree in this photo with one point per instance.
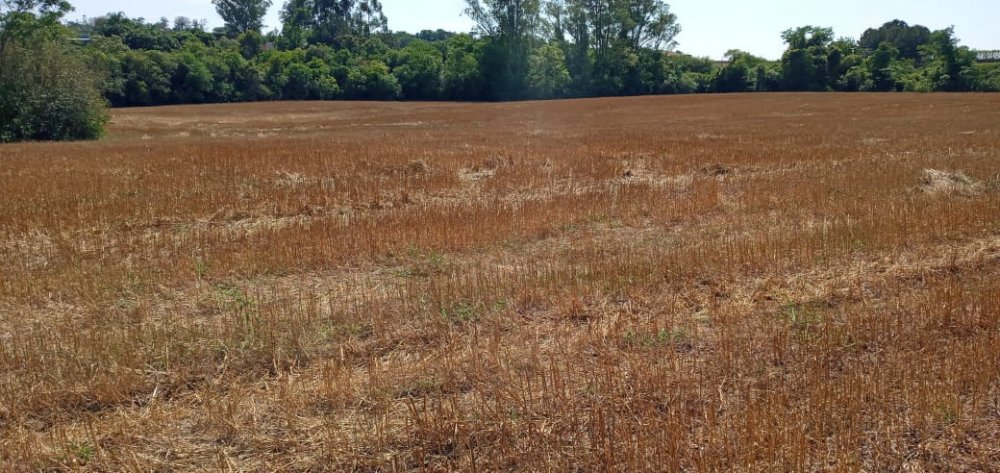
(609, 38)
(22, 19)
(903, 37)
(513, 20)
(296, 23)
(648, 24)
(879, 63)
(949, 65)
(579, 61)
(369, 18)
(511, 26)
(807, 63)
(331, 21)
(242, 16)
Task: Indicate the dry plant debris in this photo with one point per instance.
(724, 283)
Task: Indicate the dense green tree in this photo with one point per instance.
(371, 80)
(299, 75)
(745, 73)
(607, 40)
(191, 81)
(434, 36)
(853, 74)
(648, 24)
(105, 56)
(148, 77)
(807, 63)
(735, 77)
(949, 66)
(241, 16)
(461, 77)
(527, 49)
(547, 73)
(808, 37)
(904, 38)
(331, 22)
(613, 69)
(651, 74)
(988, 77)
(579, 56)
(685, 74)
(511, 26)
(29, 20)
(418, 68)
(855, 79)
(137, 34)
(48, 91)
(251, 44)
(402, 39)
(879, 69)
(297, 21)
(243, 78)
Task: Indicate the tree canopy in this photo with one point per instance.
(343, 49)
(22, 19)
(904, 38)
(47, 92)
(242, 16)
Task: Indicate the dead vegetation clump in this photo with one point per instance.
(949, 183)
(716, 170)
(417, 167)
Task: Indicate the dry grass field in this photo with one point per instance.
(711, 283)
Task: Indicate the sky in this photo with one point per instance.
(709, 28)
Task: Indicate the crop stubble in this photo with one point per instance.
(745, 283)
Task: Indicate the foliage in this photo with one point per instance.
(610, 44)
(806, 63)
(461, 77)
(372, 80)
(901, 36)
(332, 22)
(686, 74)
(242, 16)
(24, 21)
(418, 69)
(547, 73)
(292, 75)
(48, 94)
(948, 65)
(510, 27)
(47, 90)
(342, 49)
(747, 73)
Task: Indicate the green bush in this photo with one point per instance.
(47, 93)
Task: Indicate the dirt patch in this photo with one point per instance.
(955, 183)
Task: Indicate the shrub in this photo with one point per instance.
(47, 93)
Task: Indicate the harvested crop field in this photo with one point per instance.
(775, 282)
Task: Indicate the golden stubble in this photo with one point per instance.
(776, 282)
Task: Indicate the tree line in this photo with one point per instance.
(343, 49)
